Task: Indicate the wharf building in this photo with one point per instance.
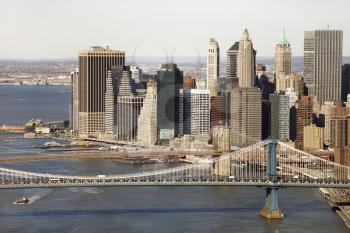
(323, 51)
(169, 82)
(94, 64)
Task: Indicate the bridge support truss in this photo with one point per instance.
(271, 209)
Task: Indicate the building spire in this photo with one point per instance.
(245, 34)
(283, 38)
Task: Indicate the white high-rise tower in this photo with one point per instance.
(213, 63)
(246, 61)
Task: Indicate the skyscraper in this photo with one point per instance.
(217, 111)
(93, 67)
(213, 66)
(279, 116)
(128, 108)
(231, 62)
(323, 51)
(246, 111)
(246, 62)
(74, 119)
(169, 83)
(147, 121)
(110, 108)
(304, 118)
(345, 82)
(283, 56)
(196, 111)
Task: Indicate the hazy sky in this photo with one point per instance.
(60, 28)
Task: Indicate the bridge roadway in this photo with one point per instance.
(104, 155)
(270, 164)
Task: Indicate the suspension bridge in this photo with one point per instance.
(271, 164)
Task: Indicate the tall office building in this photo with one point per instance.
(339, 126)
(326, 112)
(304, 118)
(246, 110)
(345, 87)
(340, 134)
(213, 66)
(93, 67)
(246, 62)
(323, 50)
(74, 110)
(217, 111)
(231, 61)
(283, 56)
(196, 111)
(169, 83)
(128, 108)
(147, 121)
(110, 108)
(279, 117)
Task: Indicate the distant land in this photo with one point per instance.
(297, 60)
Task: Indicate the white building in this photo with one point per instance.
(196, 111)
(213, 64)
(292, 95)
(110, 109)
(147, 121)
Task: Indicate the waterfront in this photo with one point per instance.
(145, 209)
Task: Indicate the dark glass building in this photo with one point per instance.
(169, 82)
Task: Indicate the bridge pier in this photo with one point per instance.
(271, 209)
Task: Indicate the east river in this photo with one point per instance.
(136, 209)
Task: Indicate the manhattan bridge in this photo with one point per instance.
(271, 164)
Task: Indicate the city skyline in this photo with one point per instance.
(66, 30)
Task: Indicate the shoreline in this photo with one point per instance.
(330, 195)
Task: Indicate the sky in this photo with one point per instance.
(58, 29)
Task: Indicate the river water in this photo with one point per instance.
(139, 209)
